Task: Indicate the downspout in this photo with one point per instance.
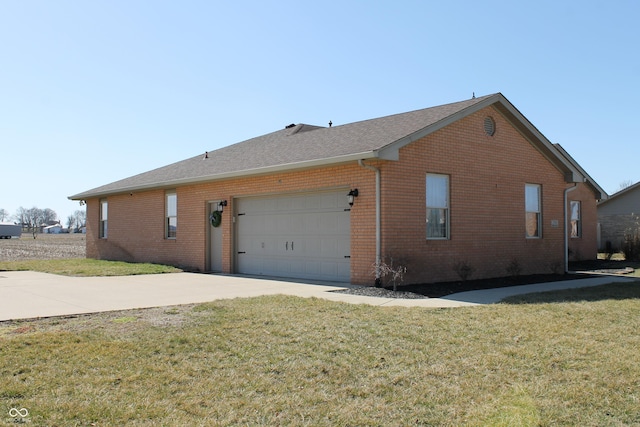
(566, 226)
(378, 281)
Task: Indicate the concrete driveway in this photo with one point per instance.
(25, 294)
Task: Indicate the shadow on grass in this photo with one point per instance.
(611, 291)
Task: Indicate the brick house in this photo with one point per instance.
(618, 216)
(469, 183)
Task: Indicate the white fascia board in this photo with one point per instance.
(504, 107)
(584, 176)
(392, 151)
(539, 141)
(228, 175)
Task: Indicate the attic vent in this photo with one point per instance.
(292, 125)
(489, 126)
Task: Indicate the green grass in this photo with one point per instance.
(614, 291)
(86, 267)
(290, 361)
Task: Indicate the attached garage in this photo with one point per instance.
(285, 212)
(295, 235)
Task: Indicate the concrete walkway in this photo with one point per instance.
(25, 294)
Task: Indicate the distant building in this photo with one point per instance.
(617, 216)
(53, 229)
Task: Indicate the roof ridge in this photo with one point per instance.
(302, 127)
(476, 99)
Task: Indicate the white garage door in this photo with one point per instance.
(300, 236)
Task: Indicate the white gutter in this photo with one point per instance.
(378, 223)
(566, 226)
(153, 184)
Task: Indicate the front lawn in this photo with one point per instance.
(291, 361)
(86, 267)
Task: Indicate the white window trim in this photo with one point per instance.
(578, 220)
(538, 211)
(103, 222)
(445, 207)
(167, 215)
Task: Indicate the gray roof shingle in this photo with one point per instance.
(305, 145)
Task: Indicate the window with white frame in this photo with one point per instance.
(533, 217)
(104, 208)
(576, 224)
(171, 223)
(437, 189)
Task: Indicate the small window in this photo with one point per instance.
(533, 213)
(171, 215)
(576, 224)
(104, 209)
(437, 206)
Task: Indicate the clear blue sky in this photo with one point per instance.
(92, 92)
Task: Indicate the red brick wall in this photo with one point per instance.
(487, 177)
(586, 246)
(136, 222)
(487, 217)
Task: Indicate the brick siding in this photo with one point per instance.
(487, 179)
(614, 228)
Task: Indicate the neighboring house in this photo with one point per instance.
(52, 229)
(469, 183)
(618, 216)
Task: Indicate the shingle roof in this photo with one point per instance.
(305, 145)
(620, 193)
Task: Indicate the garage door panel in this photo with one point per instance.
(343, 228)
(344, 244)
(328, 247)
(302, 235)
(313, 247)
(293, 224)
(332, 200)
(329, 269)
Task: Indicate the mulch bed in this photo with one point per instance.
(437, 290)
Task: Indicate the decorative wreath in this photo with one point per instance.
(215, 218)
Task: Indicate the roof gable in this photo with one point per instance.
(301, 146)
(599, 193)
(632, 191)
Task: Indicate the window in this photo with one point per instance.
(532, 208)
(171, 215)
(103, 218)
(437, 206)
(576, 226)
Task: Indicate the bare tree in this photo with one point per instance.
(81, 218)
(34, 218)
(625, 184)
(21, 217)
(3, 215)
(49, 216)
(70, 221)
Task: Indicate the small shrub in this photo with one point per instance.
(608, 250)
(631, 242)
(631, 247)
(384, 269)
(464, 270)
(514, 268)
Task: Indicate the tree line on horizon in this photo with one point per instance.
(34, 218)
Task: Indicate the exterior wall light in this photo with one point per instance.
(352, 195)
(221, 205)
